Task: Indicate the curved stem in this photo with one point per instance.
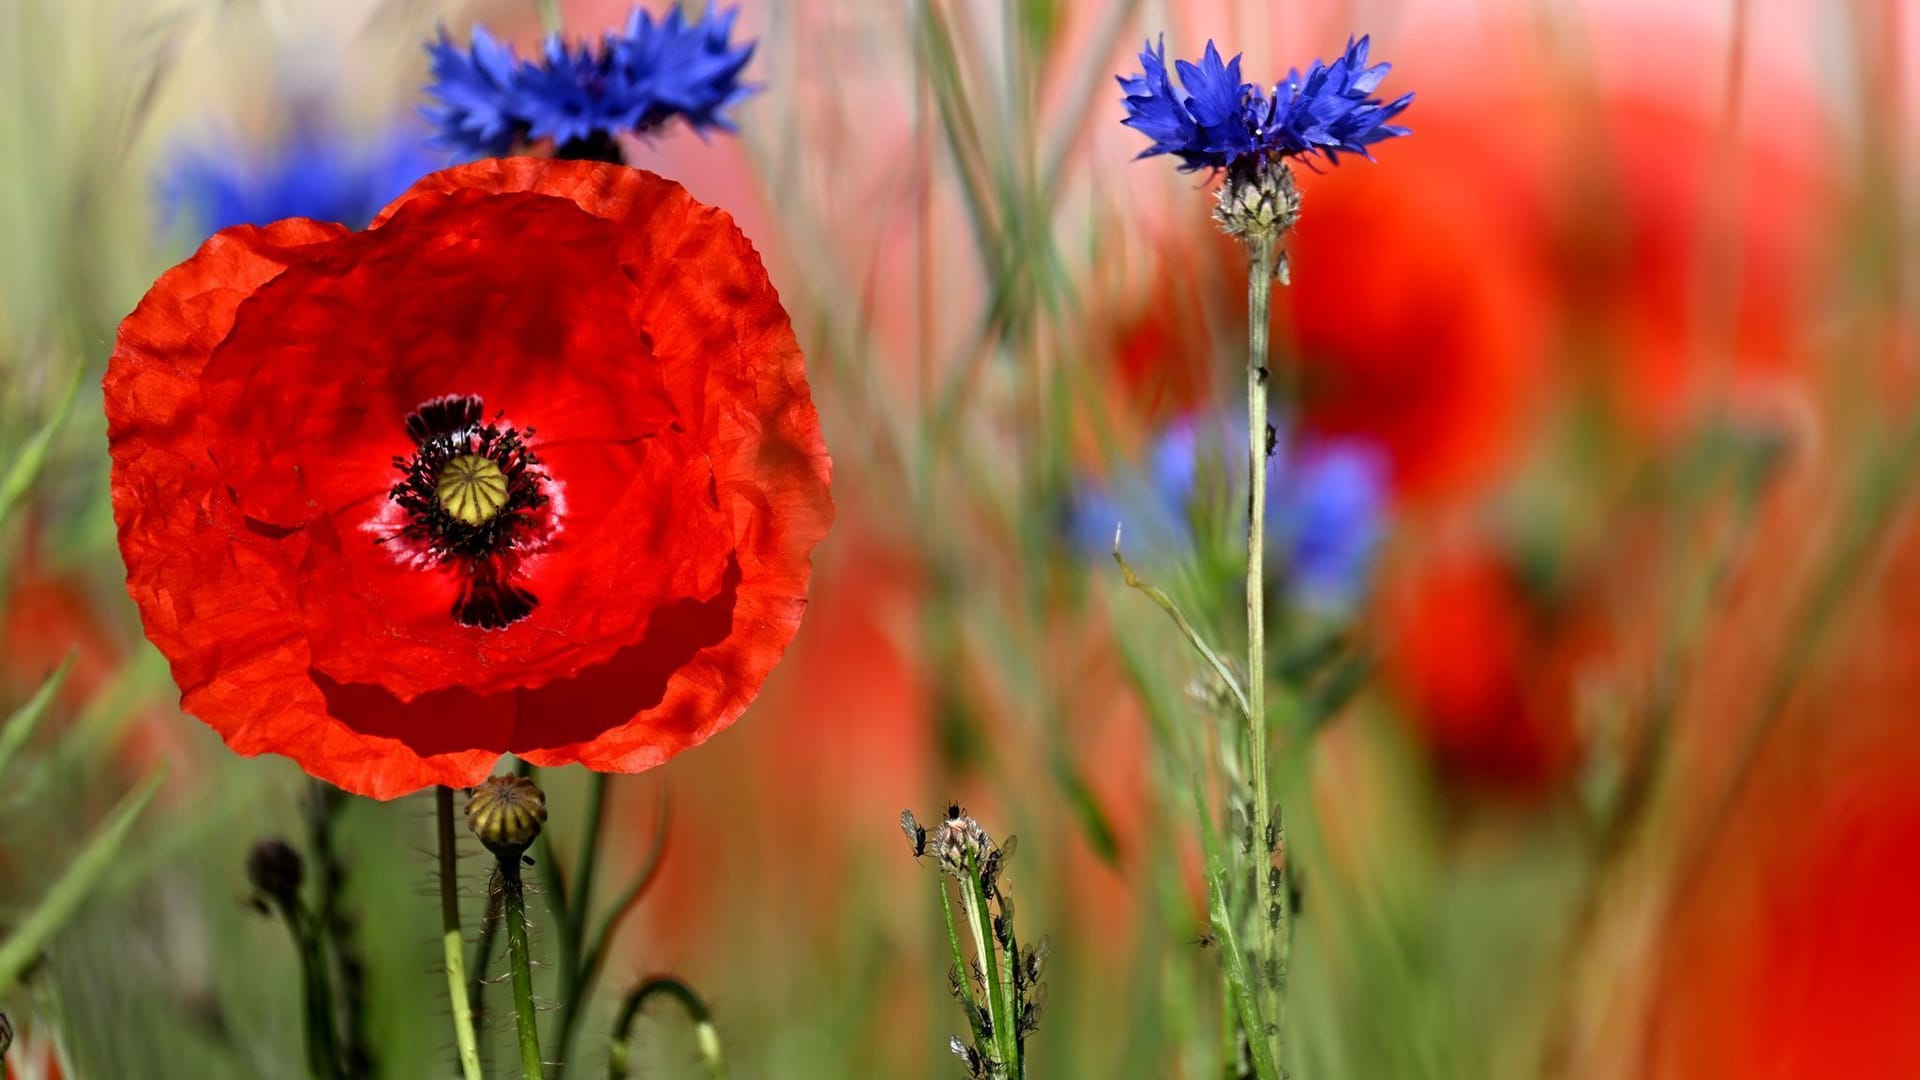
(576, 979)
(704, 1032)
(451, 944)
(594, 949)
(513, 906)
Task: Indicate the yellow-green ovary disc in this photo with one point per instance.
(471, 488)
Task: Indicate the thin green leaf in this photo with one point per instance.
(23, 946)
(20, 725)
(33, 454)
(1239, 979)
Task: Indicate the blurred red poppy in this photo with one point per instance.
(529, 465)
(1790, 948)
(1416, 312)
(1681, 282)
(1486, 675)
(50, 614)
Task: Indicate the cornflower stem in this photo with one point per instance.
(1240, 985)
(999, 991)
(1268, 886)
(974, 1012)
(453, 948)
(704, 1031)
(513, 906)
(549, 15)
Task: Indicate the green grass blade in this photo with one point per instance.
(33, 454)
(23, 946)
(19, 726)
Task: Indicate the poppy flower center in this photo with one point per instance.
(471, 488)
(473, 500)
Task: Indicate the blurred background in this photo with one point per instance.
(1600, 580)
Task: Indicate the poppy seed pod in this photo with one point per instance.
(506, 813)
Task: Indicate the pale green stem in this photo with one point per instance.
(999, 994)
(959, 962)
(1259, 304)
(454, 950)
(549, 15)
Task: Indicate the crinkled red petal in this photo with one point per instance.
(258, 392)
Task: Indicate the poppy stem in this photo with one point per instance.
(704, 1032)
(513, 905)
(452, 946)
(316, 991)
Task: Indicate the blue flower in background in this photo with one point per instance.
(1326, 505)
(315, 172)
(1217, 119)
(583, 95)
(479, 91)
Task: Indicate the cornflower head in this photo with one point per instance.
(580, 97)
(315, 171)
(1327, 512)
(1217, 120)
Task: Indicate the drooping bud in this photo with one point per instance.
(1259, 200)
(506, 813)
(276, 871)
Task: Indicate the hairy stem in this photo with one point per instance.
(513, 907)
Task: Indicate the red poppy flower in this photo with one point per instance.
(528, 466)
(1486, 677)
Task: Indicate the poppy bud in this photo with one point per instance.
(275, 870)
(506, 813)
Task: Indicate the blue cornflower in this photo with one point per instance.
(583, 95)
(1218, 120)
(1326, 505)
(315, 172)
(479, 92)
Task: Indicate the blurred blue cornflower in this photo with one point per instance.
(1219, 120)
(1326, 505)
(315, 171)
(581, 96)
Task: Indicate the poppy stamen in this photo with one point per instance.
(472, 498)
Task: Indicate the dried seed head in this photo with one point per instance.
(1259, 200)
(506, 813)
(960, 839)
